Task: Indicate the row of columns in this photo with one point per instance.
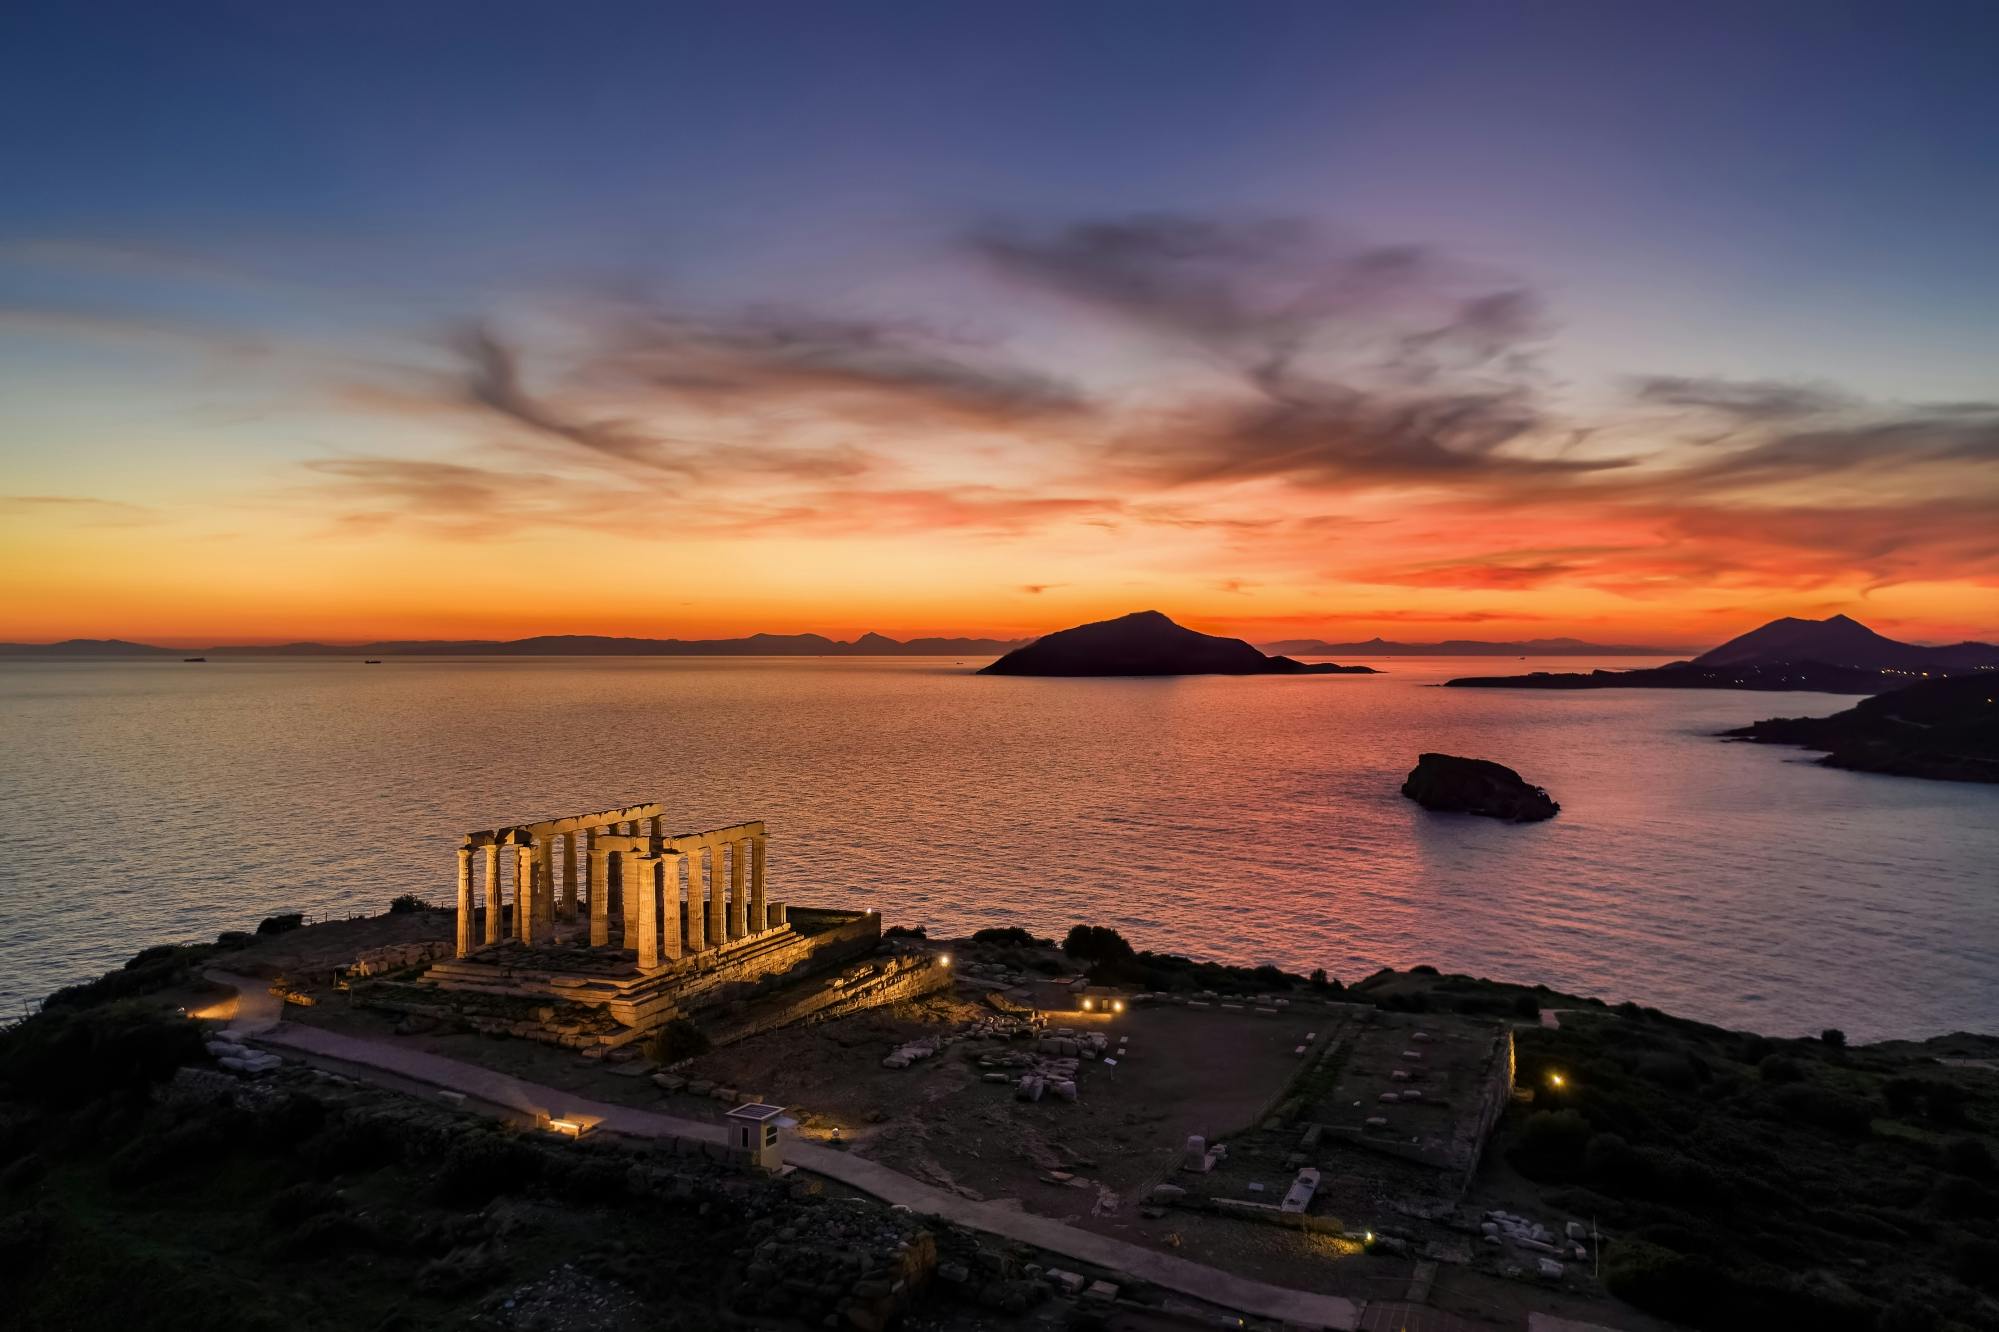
(644, 883)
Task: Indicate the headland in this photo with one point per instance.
(829, 1122)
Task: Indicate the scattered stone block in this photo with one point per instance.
(1100, 1292)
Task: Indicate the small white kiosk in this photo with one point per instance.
(753, 1135)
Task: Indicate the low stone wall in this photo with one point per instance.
(396, 957)
(870, 984)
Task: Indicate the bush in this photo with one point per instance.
(1833, 1037)
(1660, 1280)
(354, 1144)
(64, 1059)
(1969, 1156)
(1955, 1195)
(281, 924)
(1012, 935)
(906, 932)
(1552, 1145)
(1826, 1108)
(1778, 1070)
(483, 1165)
(677, 1040)
(404, 905)
(1939, 1102)
(1977, 1263)
(1097, 943)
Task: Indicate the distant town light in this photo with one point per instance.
(1557, 1080)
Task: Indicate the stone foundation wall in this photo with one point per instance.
(528, 993)
(870, 984)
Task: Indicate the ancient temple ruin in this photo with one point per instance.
(658, 895)
(594, 930)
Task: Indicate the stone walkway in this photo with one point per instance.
(260, 1014)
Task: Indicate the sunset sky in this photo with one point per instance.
(1637, 323)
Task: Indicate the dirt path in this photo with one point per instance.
(260, 1015)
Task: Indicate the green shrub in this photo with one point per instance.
(1552, 1145)
(1778, 1070)
(482, 1165)
(407, 904)
(354, 1143)
(1662, 1281)
(1826, 1108)
(1976, 1262)
(1969, 1156)
(1010, 934)
(64, 1059)
(1833, 1037)
(1097, 943)
(281, 924)
(1954, 1195)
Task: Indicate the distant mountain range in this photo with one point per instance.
(1837, 655)
(549, 645)
(1464, 647)
(1843, 641)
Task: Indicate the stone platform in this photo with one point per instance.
(550, 983)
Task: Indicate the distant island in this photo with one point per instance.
(1810, 676)
(1148, 643)
(1947, 729)
(1465, 647)
(1838, 655)
(549, 645)
(1449, 784)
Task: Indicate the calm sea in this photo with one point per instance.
(1253, 820)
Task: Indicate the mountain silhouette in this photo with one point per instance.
(1843, 641)
(1148, 643)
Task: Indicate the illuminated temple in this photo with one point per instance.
(596, 929)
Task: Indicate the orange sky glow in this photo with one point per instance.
(1384, 450)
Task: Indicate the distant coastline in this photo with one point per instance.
(543, 645)
(1466, 647)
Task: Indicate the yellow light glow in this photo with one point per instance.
(1089, 1003)
(1556, 1080)
(1117, 1006)
(943, 959)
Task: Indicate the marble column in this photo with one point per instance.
(759, 918)
(524, 911)
(593, 873)
(544, 888)
(669, 879)
(697, 904)
(630, 888)
(739, 907)
(465, 907)
(655, 826)
(777, 914)
(600, 901)
(718, 900)
(494, 911)
(643, 870)
(569, 876)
